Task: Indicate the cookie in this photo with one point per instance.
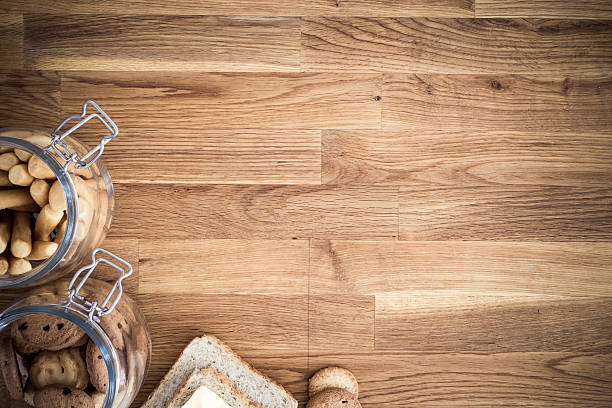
(334, 398)
(61, 368)
(98, 399)
(21, 345)
(10, 369)
(56, 397)
(48, 332)
(333, 377)
(96, 367)
(115, 325)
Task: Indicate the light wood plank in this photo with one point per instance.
(29, 99)
(467, 158)
(480, 102)
(505, 269)
(268, 331)
(227, 266)
(11, 41)
(434, 321)
(254, 212)
(516, 213)
(388, 380)
(173, 102)
(212, 156)
(596, 9)
(389, 8)
(456, 46)
(74, 42)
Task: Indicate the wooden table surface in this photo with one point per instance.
(420, 191)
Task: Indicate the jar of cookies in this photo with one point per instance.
(79, 343)
(56, 198)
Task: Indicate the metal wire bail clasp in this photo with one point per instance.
(92, 308)
(90, 157)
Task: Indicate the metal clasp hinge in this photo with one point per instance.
(92, 308)
(94, 154)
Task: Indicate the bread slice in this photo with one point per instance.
(217, 383)
(208, 351)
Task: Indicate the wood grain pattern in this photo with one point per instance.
(212, 156)
(394, 8)
(470, 158)
(226, 266)
(480, 102)
(255, 212)
(11, 41)
(457, 46)
(29, 99)
(595, 9)
(175, 102)
(476, 380)
(73, 42)
(506, 213)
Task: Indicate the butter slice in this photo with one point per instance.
(205, 398)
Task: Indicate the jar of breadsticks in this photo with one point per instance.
(76, 343)
(56, 198)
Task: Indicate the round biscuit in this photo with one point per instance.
(22, 346)
(334, 398)
(333, 377)
(10, 369)
(61, 397)
(48, 332)
(96, 367)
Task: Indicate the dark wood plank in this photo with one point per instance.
(179, 103)
(515, 213)
(457, 46)
(389, 380)
(452, 158)
(212, 156)
(73, 42)
(484, 323)
(11, 41)
(596, 9)
(224, 266)
(30, 99)
(252, 212)
(488, 102)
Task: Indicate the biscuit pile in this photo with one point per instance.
(33, 208)
(333, 387)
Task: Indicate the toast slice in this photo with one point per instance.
(208, 351)
(217, 383)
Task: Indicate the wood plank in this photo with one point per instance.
(389, 8)
(388, 380)
(487, 102)
(457, 46)
(254, 212)
(226, 266)
(11, 41)
(268, 331)
(434, 321)
(173, 102)
(450, 158)
(547, 269)
(596, 9)
(212, 156)
(215, 43)
(517, 213)
(29, 99)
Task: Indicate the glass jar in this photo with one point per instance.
(108, 317)
(66, 165)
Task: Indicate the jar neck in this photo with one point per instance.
(91, 329)
(72, 210)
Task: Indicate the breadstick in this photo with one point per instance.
(23, 155)
(15, 198)
(19, 175)
(46, 222)
(5, 230)
(42, 250)
(37, 168)
(61, 230)
(39, 190)
(39, 140)
(18, 266)
(5, 149)
(4, 179)
(85, 216)
(57, 200)
(21, 236)
(3, 265)
(8, 160)
(28, 207)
